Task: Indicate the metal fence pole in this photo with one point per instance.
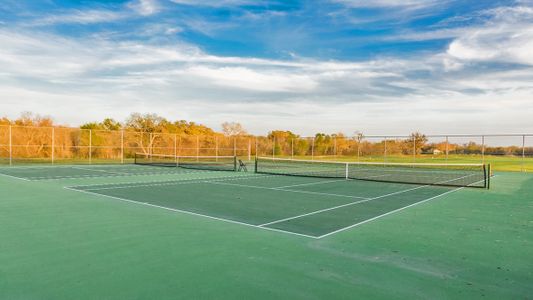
(273, 147)
(53, 143)
(385, 151)
(523, 153)
(335, 146)
(10, 146)
(234, 146)
(414, 148)
(216, 147)
(176, 148)
(249, 149)
(292, 148)
(446, 148)
(197, 148)
(90, 146)
(482, 149)
(358, 149)
(179, 146)
(150, 150)
(122, 146)
(256, 149)
(313, 149)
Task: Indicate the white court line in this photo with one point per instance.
(311, 183)
(125, 175)
(96, 170)
(179, 182)
(191, 213)
(388, 213)
(352, 203)
(340, 206)
(246, 176)
(283, 190)
(14, 177)
(394, 211)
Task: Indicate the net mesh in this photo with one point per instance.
(460, 175)
(215, 163)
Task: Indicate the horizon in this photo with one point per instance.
(383, 68)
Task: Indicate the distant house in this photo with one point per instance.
(436, 152)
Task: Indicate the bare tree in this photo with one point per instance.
(233, 128)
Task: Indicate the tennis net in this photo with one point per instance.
(459, 175)
(215, 163)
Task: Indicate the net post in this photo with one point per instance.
(235, 163)
(90, 146)
(488, 174)
(53, 144)
(10, 146)
(346, 171)
(122, 146)
(523, 153)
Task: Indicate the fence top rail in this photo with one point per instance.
(365, 136)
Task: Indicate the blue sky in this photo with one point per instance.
(380, 67)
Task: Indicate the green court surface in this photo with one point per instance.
(128, 231)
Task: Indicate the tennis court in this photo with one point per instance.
(308, 198)
(297, 228)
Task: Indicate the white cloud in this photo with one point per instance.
(391, 3)
(145, 7)
(81, 17)
(215, 3)
(62, 77)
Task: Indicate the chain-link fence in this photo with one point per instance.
(20, 144)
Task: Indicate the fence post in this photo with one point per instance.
(385, 151)
(197, 148)
(482, 149)
(176, 148)
(216, 147)
(249, 149)
(523, 153)
(53, 143)
(90, 146)
(313, 149)
(335, 146)
(273, 147)
(256, 149)
(414, 148)
(358, 149)
(122, 146)
(234, 146)
(150, 150)
(10, 147)
(292, 148)
(446, 149)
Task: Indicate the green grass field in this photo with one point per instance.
(95, 232)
